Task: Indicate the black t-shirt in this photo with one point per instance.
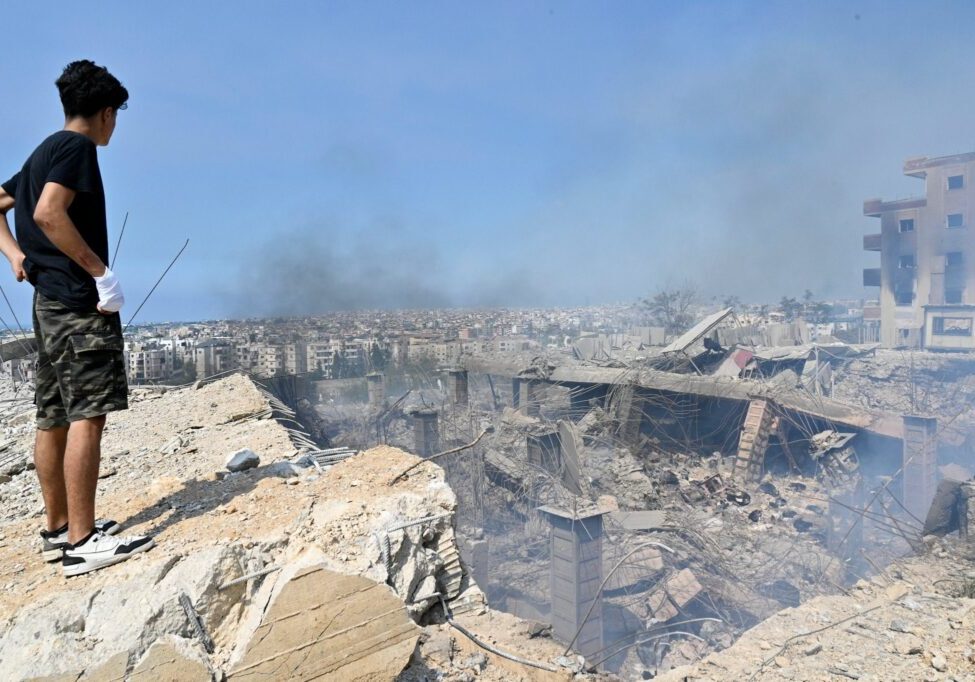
(69, 159)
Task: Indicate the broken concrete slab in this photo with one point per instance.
(326, 625)
(171, 658)
(112, 670)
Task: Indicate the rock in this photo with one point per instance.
(536, 629)
(439, 648)
(900, 626)
(908, 645)
(476, 662)
(172, 446)
(140, 606)
(17, 466)
(284, 469)
(5, 479)
(813, 649)
(242, 460)
(939, 663)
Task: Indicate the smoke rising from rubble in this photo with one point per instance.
(317, 271)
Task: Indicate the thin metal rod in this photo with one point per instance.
(119, 242)
(644, 640)
(12, 312)
(171, 264)
(489, 429)
(427, 519)
(487, 647)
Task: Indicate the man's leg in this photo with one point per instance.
(81, 459)
(49, 463)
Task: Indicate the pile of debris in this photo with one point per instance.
(735, 554)
(263, 567)
(913, 621)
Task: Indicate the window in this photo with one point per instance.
(955, 220)
(953, 259)
(906, 261)
(904, 297)
(953, 295)
(907, 225)
(952, 326)
(956, 181)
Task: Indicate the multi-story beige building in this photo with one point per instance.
(927, 257)
(148, 364)
(213, 356)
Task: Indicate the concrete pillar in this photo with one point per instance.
(576, 574)
(545, 451)
(376, 383)
(516, 393)
(458, 386)
(966, 511)
(426, 432)
(631, 415)
(530, 399)
(753, 441)
(920, 459)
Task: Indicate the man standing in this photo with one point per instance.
(62, 249)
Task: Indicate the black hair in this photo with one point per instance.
(87, 88)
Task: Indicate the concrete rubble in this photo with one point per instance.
(730, 484)
(912, 622)
(331, 574)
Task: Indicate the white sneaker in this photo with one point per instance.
(53, 543)
(99, 550)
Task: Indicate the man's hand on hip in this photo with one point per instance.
(110, 296)
(17, 266)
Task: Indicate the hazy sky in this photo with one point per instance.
(325, 155)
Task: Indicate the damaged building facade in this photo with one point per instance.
(927, 257)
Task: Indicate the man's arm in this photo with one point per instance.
(8, 245)
(51, 215)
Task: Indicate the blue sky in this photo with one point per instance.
(327, 155)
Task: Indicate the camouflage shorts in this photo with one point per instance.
(80, 369)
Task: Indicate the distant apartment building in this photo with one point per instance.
(927, 257)
(213, 356)
(148, 364)
(296, 358)
(270, 360)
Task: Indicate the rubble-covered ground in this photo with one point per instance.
(235, 545)
(913, 621)
(915, 382)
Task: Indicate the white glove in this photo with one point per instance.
(110, 296)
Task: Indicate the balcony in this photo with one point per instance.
(874, 208)
(871, 242)
(871, 277)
